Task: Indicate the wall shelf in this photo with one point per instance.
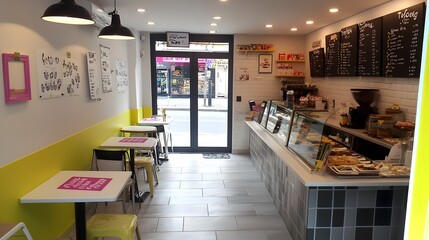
(291, 76)
(290, 61)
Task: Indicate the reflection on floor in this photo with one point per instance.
(208, 199)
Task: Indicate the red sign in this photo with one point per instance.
(85, 183)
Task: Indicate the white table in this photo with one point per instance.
(158, 121)
(120, 142)
(49, 192)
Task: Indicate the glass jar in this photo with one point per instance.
(373, 125)
(385, 127)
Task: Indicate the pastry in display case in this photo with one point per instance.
(306, 136)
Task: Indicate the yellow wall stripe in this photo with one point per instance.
(48, 221)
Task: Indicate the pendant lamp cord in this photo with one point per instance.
(114, 10)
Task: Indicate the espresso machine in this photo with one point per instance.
(359, 116)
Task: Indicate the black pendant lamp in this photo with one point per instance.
(68, 12)
(115, 31)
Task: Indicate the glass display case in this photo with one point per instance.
(281, 121)
(306, 135)
(265, 114)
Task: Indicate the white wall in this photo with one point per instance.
(260, 86)
(392, 90)
(28, 126)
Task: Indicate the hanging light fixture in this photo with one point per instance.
(115, 31)
(68, 12)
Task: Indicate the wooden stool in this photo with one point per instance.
(122, 226)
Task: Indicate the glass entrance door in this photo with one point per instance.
(212, 102)
(194, 92)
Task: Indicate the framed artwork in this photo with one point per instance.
(16, 77)
(265, 63)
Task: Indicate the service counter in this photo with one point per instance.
(318, 205)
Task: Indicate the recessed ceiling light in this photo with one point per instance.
(141, 10)
(333, 10)
(213, 24)
(294, 29)
(224, 0)
(150, 23)
(269, 26)
(309, 22)
(217, 17)
(212, 31)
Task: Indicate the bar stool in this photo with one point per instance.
(147, 162)
(122, 226)
(8, 230)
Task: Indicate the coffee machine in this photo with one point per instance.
(359, 115)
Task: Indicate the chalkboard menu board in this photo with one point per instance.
(332, 63)
(348, 49)
(402, 39)
(369, 49)
(317, 62)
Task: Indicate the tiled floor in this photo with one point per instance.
(209, 199)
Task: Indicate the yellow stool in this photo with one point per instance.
(122, 226)
(147, 163)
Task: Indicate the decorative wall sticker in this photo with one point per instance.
(50, 81)
(106, 74)
(121, 75)
(93, 76)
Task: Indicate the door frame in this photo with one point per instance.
(194, 77)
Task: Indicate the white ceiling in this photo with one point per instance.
(238, 16)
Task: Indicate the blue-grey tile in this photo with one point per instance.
(323, 217)
(337, 233)
(384, 198)
(351, 198)
(323, 234)
(364, 233)
(381, 233)
(350, 217)
(383, 216)
(311, 220)
(365, 217)
(339, 199)
(324, 198)
(366, 198)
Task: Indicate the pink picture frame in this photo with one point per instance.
(16, 90)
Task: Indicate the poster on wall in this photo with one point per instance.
(93, 76)
(106, 74)
(243, 74)
(49, 75)
(71, 77)
(121, 75)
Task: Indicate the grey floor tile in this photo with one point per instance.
(251, 199)
(164, 170)
(166, 184)
(244, 184)
(258, 192)
(156, 200)
(180, 176)
(179, 235)
(248, 169)
(179, 192)
(232, 210)
(224, 192)
(260, 223)
(173, 210)
(241, 235)
(206, 169)
(266, 209)
(209, 223)
(202, 184)
(170, 225)
(232, 176)
(198, 200)
(147, 224)
(278, 235)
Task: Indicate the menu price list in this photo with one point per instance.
(403, 37)
(369, 53)
(348, 57)
(317, 62)
(332, 61)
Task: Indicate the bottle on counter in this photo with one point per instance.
(290, 98)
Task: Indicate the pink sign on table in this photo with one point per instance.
(85, 183)
(133, 140)
(152, 119)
